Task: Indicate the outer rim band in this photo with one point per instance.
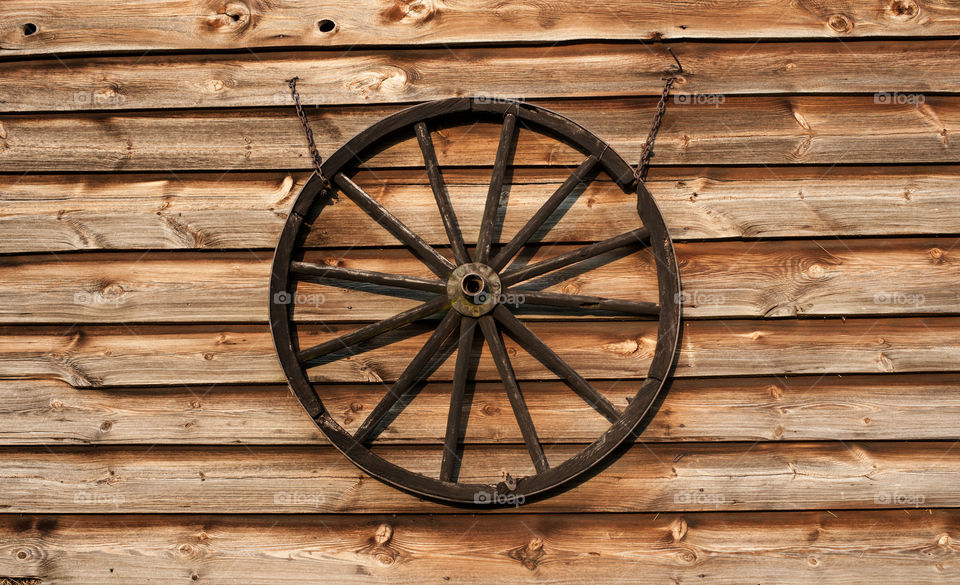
(668, 279)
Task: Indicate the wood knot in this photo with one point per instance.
(840, 23)
(490, 410)
(415, 12)
(904, 9)
(384, 534)
(529, 554)
(815, 272)
(776, 391)
(678, 529)
(387, 79)
(937, 255)
(687, 556)
(231, 18)
(379, 547)
(215, 85)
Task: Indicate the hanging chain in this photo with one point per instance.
(317, 161)
(640, 173)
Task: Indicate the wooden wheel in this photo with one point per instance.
(469, 291)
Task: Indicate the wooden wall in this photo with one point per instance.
(149, 155)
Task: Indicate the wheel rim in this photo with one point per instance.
(468, 291)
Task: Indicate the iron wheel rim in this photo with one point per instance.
(553, 478)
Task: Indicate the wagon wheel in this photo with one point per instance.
(469, 293)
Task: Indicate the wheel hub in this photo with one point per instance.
(474, 289)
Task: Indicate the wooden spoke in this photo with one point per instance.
(532, 344)
(408, 378)
(437, 263)
(369, 276)
(374, 329)
(533, 297)
(460, 373)
(489, 219)
(533, 224)
(447, 214)
(578, 255)
(492, 335)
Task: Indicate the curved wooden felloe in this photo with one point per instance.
(466, 292)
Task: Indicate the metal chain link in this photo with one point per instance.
(640, 173)
(308, 132)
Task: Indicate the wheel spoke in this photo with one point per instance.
(374, 329)
(492, 335)
(408, 378)
(440, 193)
(460, 373)
(368, 276)
(578, 255)
(437, 263)
(485, 238)
(533, 224)
(532, 344)
(583, 302)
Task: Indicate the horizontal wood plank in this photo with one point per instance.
(317, 479)
(915, 546)
(728, 279)
(64, 27)
(874, 407)
(743, 130)
(897, 70)
(239, 354)
(247, 210)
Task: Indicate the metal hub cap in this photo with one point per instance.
(474, 289)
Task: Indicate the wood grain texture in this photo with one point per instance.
(915, 546)
(720, 280)
(243, 210)
(66, 27)
(871, 407)
(318, 479)
(743, 130)
(376, 76)
(120, 355)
